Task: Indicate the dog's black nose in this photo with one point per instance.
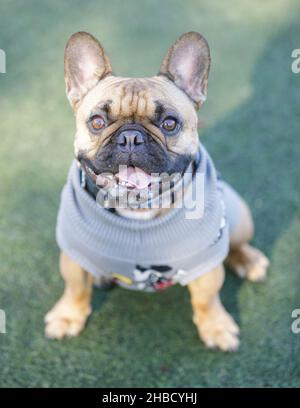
(129, 139)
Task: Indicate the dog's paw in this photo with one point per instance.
(249, 262)
(218, 330)
(66, 319)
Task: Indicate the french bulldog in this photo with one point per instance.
(150, 126)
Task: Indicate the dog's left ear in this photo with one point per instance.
(187, 64)
(85, 65)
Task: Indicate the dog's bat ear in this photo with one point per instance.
(85, 65)
(187, 64)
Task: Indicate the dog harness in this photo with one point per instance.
(149, 255)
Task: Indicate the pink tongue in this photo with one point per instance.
(137, 177)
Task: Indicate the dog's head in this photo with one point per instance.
(147, 124)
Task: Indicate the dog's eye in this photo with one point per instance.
(169, 124)
(97, 123)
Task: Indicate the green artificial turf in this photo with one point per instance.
(251, 130)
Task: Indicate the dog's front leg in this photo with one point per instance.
(215, 326)
(68, 316)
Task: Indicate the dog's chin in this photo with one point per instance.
(139, 213)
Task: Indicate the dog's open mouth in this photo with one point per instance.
(128, 177)
(133, 177)
(133, 186)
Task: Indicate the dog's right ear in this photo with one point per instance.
(85, 65)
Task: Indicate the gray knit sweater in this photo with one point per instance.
(148, 254)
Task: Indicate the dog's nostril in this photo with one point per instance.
(138, 138)
(130, 138)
